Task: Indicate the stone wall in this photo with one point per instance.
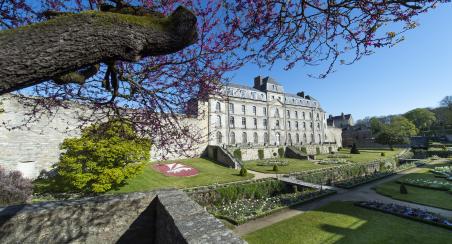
(222, 157)
(154, 217)
(252, 153)
(36, 146)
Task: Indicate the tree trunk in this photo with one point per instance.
(44, 51)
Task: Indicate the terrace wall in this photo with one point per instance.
(153, 217)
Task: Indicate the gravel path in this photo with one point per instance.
(361, 193)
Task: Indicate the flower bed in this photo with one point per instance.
(354, 182)
(339, 156)
(333, 161)
(239, 203)
(244, 210)
(428, 183)
(445, 172)
(410, 213)
(273, 162)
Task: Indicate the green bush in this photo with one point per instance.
(101, 159)
(354, 149)
(243, 172)
(275, 168)
(256, 190)
(383, 154)
(403, 189)
(238, 154)
(317, 150)
(281, 152)
(260, 154)
(303, 149)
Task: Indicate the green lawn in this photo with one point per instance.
(341, 222)
(431, 197)
(209, 173)
(295, 165)
(365, 155)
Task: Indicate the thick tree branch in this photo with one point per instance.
(69, 43)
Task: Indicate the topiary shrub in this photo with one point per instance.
(317, 151)
(354, 149)
(281, 152)
(275, 168)
(383, 154)
(238, 154)
(260, 154)
(14, 189)
(243, 172)
(103, 158)
(403, 189)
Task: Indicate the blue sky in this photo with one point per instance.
(415, 73)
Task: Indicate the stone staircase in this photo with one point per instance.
(293, 152)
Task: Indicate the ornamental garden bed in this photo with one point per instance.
(239, 203)
(410, 213)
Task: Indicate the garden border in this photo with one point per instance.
(404, 216)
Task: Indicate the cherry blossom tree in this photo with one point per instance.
(152, 90)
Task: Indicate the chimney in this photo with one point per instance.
(258, 82)
(342, 115)
(301, 94)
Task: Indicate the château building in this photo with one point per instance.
(264, 115)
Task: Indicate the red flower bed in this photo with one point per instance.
(175, 169)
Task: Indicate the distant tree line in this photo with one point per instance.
(397, 129)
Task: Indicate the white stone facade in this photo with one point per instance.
(264, 115)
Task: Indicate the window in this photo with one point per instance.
(320, 138)
(243, 109)
(243, 122)
(304, 115)
(289, 138)
(273, 97)
(311, 125)
(304, 125)
(254, 110)
(304, 138)
(218, 107)
(255, 138)
(266, 138)
(232, 138)
(278, 138)
(265, 123)
(296, 114)
(255, 123)
(296, 125)
(288, 124)
(288, 114)
(318, 126)
(218, 121)
(277, 113)
(231, 122)
(310, 115)
(244, 139)
(317, 116)
(219, 138)
(312, 138)
(277, 124)
(297, 138)
(265, 111)
(231, 108)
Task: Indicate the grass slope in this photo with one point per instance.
(430, 197)
(297, 165)
(341, 222)
(209, 173)
(365, 155)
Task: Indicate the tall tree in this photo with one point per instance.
(122, 71)
(421, 117)
(446, 102)
(397, 132)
